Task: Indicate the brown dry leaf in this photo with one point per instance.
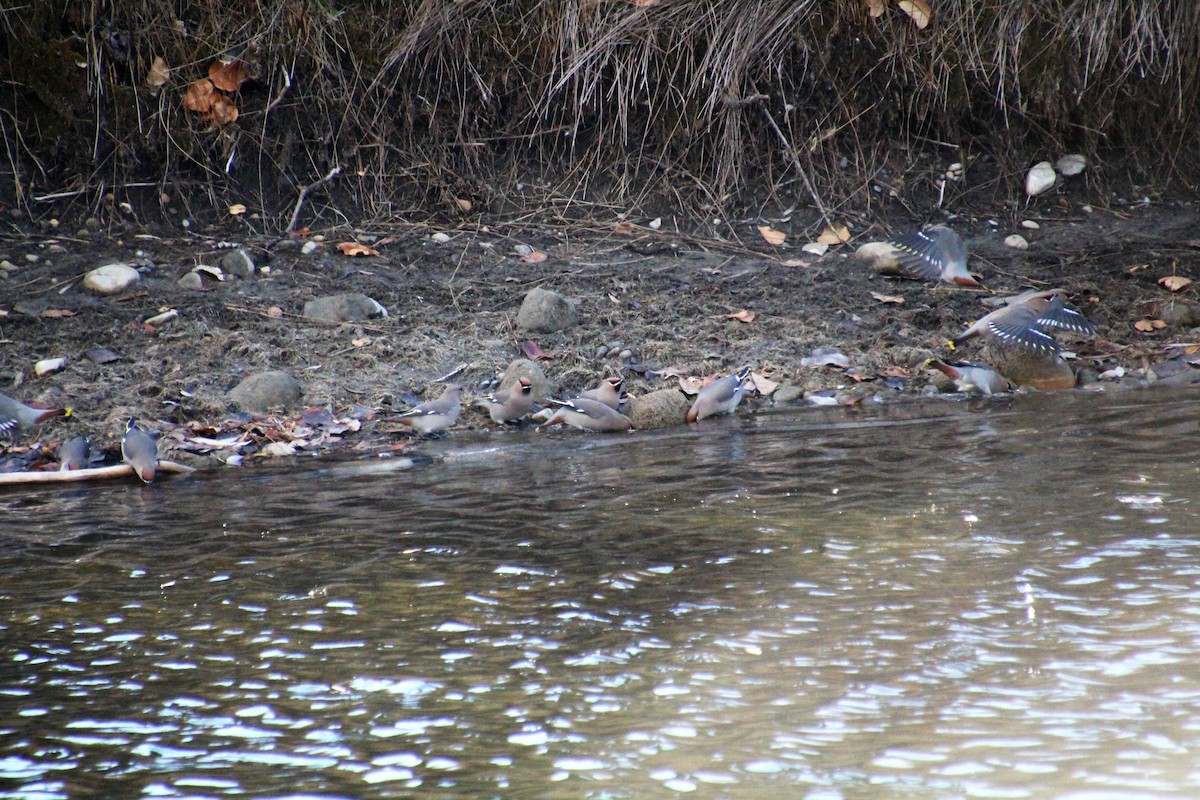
(533, 352)
(1175, 282)
(356, 249)
(464, 204)
(58, 313)
(887, 298)
(1149, 325)
(275, 312)
(228, 76)
(237, 209)
(918, 10)
(536, 257)
(874, 8)
(158, 74)
(199, 97)
(623, 227)
(224, 112)
(741, 316)
(763, 385)
(692, 384)
(772, 236)
(836, 234)
(361, 341)
(794, 262)
(895, 372)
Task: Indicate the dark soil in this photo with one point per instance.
(664, 296)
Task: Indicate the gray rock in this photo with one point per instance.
(545, 311)
(191, 280)
(263, 391)
(344, 308)
(788, 393)
(1178, 314)
(110, 278)
(1035, 370)
(238, 263)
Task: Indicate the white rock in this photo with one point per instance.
(48, 365)
(110, 278)
(1030, 224)
(1016, 242)
(308, 247)
(1071, 164)
(1041, 177)
(440, 238)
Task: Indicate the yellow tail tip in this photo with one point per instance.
(950, 342)
(68, 412)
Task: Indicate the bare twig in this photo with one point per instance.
(304, 192)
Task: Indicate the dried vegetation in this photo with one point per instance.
(453, 108)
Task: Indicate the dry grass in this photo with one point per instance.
(579, 108)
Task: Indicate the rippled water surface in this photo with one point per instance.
(929, 601)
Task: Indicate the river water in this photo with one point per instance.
(927, 600)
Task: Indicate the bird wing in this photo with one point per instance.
(1058, 315)
(919, 252)
(1019, 326)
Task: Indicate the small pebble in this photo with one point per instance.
(309, 247)
(625, 355)
(1071, 164)
(1016, 242)
(615, 344)
(8, 266)
(1030, 225)
(601, 351)
(32, 258)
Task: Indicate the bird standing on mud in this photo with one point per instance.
(140, 451)
(936, 253)
(436, 415)
(15, 414)
(1022, 320)
(588, 415)
(511, 404)
(719, 397)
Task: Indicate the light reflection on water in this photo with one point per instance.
(921, 601)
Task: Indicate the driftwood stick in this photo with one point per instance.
(97, 474)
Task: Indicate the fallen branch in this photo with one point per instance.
(97, 474)
(304, 192)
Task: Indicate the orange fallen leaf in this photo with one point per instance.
(58, 313)
(918, 10)
(836, 234)
(772, 236)
(228, 76)
(874, 8)
(887, 298)
(356, 249)
(158, 74)
(623, 227)
(465, 205)
(536, 257)
(1149, 325)
(223, 112)
(199, 97)
(741, 316)
(1175, 282)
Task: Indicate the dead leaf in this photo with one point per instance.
(613, 297)
(1149, 325)
(816, 248)
(874, 8)
(361, 341)
(690, 385)
(224, 112)
(536, 257)
(887, 298)
(58, 313)
(356, 249)
(836, 234)
(794, 262)
(1175, 282)
(199, 97)
(741, 316)
(772, 236)
(465, 205)
(623, 227)
(895, 372)
(158, 74)
(228, 76)
(645, 3)
(533, 352)
(918, 10)
(237, 209)
(763, 385)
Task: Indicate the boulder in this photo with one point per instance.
(659, 409)
(263, 391)
(544, 311)
(110, 278)
(344, 308)
(524, 368)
